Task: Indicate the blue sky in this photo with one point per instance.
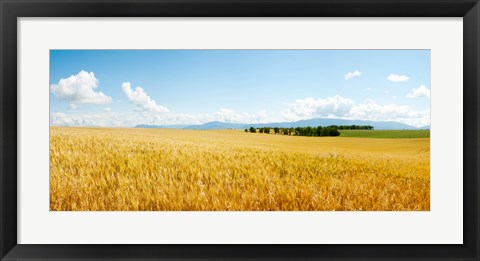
(100, 87)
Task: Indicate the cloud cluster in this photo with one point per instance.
(335, 106)
(227, 115)
(349, 75)
(131, 119)
(370, 110)
(397, 78)
(420, 92)
(62, 119)
(79, 89)
(343, 108)
(141, 99)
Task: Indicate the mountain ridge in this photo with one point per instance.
(217, 125)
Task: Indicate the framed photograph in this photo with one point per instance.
(239, 130)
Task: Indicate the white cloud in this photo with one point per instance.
(368, 89)
(420, 92)
(307, 108)
(335, 106)
(140, 98)
(352, 74)
(228, 115)
(370, 110)
(61, 119)
(343, 108)
(79, 88)
(107, 119)
(131, 119)
(330, 107)
(397, 78)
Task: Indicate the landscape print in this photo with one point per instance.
(239, 130)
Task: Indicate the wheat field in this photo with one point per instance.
(119, 169)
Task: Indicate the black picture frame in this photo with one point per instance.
(10, 10)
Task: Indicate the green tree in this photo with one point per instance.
(252, 130)
(298, 131)
(308, 131)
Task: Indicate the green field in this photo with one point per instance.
(387, 134)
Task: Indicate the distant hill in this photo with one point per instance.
(378, 125)
(217, 125)
(144, 126)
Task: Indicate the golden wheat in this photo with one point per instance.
(160, 169)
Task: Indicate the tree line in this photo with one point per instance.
(354, 127)
(332, 130)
